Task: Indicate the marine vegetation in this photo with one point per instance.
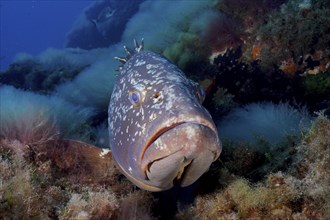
(32, 118)
(266, 81)
(288, 33)
(59, 179)
(53, 180)
(300, 193)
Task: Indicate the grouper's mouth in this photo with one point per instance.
(160, 133)
(180, 152)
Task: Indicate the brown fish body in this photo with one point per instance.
(159, 131)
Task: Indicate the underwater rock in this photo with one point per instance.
(281, 55)
(301, 192)
(74, 160)
(237, 82)
(35, 77)
(260, 138)
(102, 24)
(42, 73)
(293, 32)
(317, 90)
(64, 179)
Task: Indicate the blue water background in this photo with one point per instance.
(32, 26)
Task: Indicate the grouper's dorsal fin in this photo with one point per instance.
(138, 47)
(129, 53)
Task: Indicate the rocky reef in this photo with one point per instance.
(71, 180)
(67, 180)
(267, 84)
(102, 24)
(300, 192)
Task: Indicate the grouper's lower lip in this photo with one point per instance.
(181, 152)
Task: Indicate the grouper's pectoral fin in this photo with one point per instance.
(77, 161)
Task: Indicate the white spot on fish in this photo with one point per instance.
(152, 117)
(104, 152)
(140, 62)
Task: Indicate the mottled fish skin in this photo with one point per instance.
(159, 131)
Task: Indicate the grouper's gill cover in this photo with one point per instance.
(159, 131)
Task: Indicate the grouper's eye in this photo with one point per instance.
(135, 97)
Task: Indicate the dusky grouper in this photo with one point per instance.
(159, 131)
